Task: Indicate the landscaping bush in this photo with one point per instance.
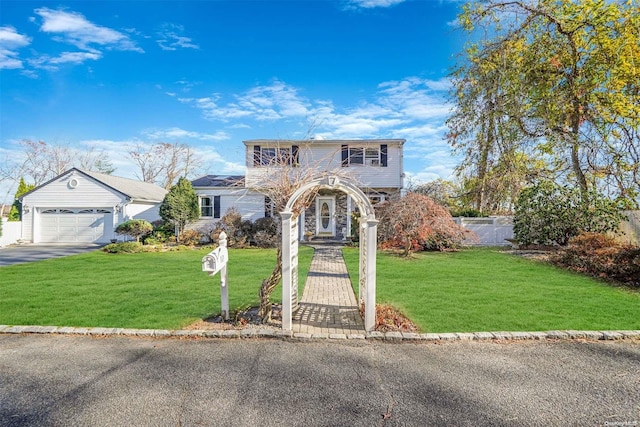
(264, 233)
(123, 247)
(162, 231)
(549, 214)
(600, 255)
(416, 222)
(135, 228)
(232, 224)
(190, 238)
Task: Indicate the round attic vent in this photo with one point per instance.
(73, 182)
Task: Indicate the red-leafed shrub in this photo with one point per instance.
(600, 255)
(415, 222)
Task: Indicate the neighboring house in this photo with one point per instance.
(376, 166)
(85, 207)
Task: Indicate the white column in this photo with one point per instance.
(301, 225)
(348, 216)
(286, 271)
(362, 262)
(370, 304)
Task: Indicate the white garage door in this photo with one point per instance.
(75, 225)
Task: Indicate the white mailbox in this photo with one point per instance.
(214, 262)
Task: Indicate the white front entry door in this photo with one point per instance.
(325, 216)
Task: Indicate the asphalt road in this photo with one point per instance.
(49, 380)
(10, 255)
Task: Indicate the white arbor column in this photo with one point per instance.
(362, 263)
(348, 216)
(286, 271)
(371, 231)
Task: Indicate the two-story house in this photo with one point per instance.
(376, 166)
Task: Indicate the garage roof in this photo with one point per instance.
(131, 188)
(136, 190)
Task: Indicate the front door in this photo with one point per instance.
(325, 216)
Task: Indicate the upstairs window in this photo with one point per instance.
(273, 156)
(365, 156)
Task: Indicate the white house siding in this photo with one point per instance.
(141, 210)
(249, 204)
(328, 157)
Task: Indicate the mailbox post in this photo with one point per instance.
(214, 262)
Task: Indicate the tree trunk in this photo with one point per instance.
(267, 287)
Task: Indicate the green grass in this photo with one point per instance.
(145, 290)
(487, 290)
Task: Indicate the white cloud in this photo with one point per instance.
(412, 108)
(263, 103)
(51, 63)
(171, 38)
(10, 42)
(75, 29)
(181, 134)
(368, 4)
(75, 57)
(410, 105)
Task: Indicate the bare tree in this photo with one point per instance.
(164, 163)
(38, 162)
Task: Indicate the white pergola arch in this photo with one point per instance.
(368, 231)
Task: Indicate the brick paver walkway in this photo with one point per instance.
(328, 304)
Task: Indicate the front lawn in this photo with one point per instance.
(486, 289)
(146, 290)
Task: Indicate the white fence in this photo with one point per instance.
(11, 232)
(631, 227)
(492, 231)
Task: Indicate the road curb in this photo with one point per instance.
(555, 335)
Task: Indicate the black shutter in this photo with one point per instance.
(294, 155)
(345, 156)
(383, 155)
(216, 206)
(256, 156)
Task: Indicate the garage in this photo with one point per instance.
(79, 225)
(80, 207)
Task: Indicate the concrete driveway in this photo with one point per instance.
(17, 254)
(50, 380)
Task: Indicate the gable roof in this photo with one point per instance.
(131, 188)
(219, 181)
(134, 189)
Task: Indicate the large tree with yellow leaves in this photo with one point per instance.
(555, 82)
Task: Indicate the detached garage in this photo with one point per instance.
(85, 207)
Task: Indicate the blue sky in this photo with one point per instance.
(112, 74)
